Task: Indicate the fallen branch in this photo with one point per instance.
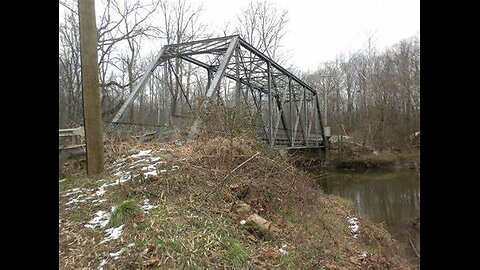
(413, 246)
(230, 173)
(323, 175)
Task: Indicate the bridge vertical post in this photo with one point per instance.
(209, 77)
(260, 102)
(305, 113)
(321, 126)
(217, 89)
(237, 71)
(291, 109)
(270, 115)
(166, 113)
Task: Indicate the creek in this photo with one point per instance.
(390, 198)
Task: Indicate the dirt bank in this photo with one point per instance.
(347, 154)
(176, 205)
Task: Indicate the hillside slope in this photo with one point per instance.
(213, 203)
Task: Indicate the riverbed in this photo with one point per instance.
(391, 198)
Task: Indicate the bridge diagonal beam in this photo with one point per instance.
(320, 123)
(298, 119)
(215, 82)
(282, 116)
(136, 90)
(275, 65)
(258, 109)
(270, 113)
(179, 84)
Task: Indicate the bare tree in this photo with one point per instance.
(374, 96)
(262, 25)
(123, 25)
(69, 70)
(120, 25)
(180, 24)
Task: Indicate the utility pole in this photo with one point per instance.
(90, 87)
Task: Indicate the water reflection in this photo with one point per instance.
(392, 198)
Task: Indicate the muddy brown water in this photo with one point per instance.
(391, 198)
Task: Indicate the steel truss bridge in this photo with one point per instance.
(286, 109)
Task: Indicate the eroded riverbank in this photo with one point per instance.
(389, 198)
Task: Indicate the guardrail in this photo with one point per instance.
(71, 146)
(76, 134)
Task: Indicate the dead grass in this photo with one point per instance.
(189, 229)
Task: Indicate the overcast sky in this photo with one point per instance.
(319, 30)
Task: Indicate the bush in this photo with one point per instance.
(124, 211)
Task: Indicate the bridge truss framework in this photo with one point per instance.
(290, 117)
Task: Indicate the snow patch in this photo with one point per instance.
(100, 220)
(148, 168)
(116, 255)
(155, 159)
(152, 173)
(102, 264)
(72, 191)
(98, 201)
(142, 153)
(113, 233)
(76, 200)
(147, 206)
(101, 190)
(354, 225)
(283, 250)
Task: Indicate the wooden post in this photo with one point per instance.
(90, 87)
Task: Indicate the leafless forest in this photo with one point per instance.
(373, 95)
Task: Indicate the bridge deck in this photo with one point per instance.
(297, 144)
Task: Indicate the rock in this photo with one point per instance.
(260, 225)
(252, 238)
(243, 210)
(234, 186)
(240, 191)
